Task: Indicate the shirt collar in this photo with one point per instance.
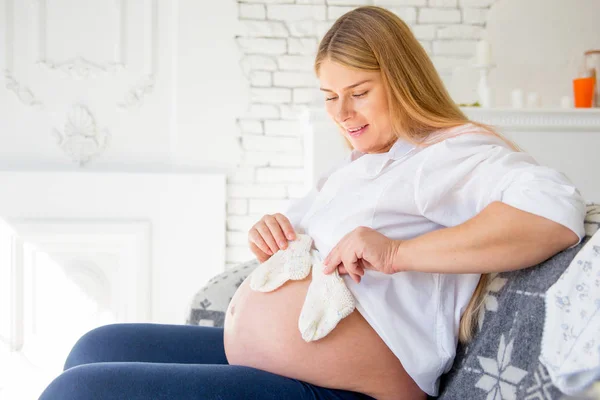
(375, 162)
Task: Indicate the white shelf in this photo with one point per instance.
(570, 120)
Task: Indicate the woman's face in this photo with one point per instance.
(357, 101)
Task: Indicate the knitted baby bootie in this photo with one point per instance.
(292, 263)
(327, 302)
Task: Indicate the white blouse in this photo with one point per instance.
(409, 191)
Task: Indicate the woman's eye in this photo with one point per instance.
(354, 95)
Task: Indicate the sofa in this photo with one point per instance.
(500, 363)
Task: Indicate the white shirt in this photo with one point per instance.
(409, 191)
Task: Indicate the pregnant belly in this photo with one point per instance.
(261, 331)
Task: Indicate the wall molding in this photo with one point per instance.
(80, 68)
(23, 93)
(81, 139)
(134, 97)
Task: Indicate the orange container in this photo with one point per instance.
(583, 92)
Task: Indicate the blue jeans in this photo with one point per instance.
(178, 362)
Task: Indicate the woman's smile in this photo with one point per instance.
(356, 132)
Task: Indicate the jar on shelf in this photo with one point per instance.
(592, 65)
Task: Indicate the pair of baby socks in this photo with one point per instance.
(327, 301)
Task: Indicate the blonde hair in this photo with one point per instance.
(372, 38)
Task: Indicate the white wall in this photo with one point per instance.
(172, 102)
(542, 51)
(240, 75)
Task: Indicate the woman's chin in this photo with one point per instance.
(361, 146)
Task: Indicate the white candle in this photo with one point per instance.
(566, 102)
(517, 98)
(484, 53)
(533, 100)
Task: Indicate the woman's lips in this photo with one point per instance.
(358, 132)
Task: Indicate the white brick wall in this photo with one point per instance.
(454, 47)
(273, 29)
(252, 11)
(262, 45)
(282, 128)
(271, 95)
(279, 175)
(474, 15)
(295, 63)
(334, 12)
(251, 126)
(408, 14)
(388, 3)
(278, 40)
(259, 143)
(424, 32)
(261, 79)
(260, 62)
(296, 12)
(302, 46)
(443, 3)
(439, 15)
(294, 79)
(262, 111)
(460, 32)
(476, 3)
(349, 2)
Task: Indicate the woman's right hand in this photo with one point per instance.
(269, 235)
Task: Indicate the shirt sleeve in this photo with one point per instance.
(460, 176)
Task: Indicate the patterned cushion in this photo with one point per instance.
(500, 363)
(210, 303)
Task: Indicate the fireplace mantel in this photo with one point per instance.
(570, 120)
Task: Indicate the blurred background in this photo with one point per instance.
(141, 139)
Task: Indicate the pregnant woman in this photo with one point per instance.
(424, 207)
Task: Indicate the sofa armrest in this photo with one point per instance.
(209, 305)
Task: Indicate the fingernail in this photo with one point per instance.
(290, 236)
(282, 244)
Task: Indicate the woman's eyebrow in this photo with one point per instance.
(348, 87)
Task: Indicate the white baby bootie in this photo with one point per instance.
(292, 263)
(327, 302)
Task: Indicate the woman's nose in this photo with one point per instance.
(344, 110)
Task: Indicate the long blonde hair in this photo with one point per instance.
(372, 38)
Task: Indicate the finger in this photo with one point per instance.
(351, 266)
(286, 225)
(260, 255)
(342, 270)
(361, 267)
(277, 233)
(332, 261)
(267, 236)
(364, 264)
(255, 238)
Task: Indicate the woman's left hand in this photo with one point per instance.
(363, 248)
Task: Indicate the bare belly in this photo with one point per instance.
(261, 331)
